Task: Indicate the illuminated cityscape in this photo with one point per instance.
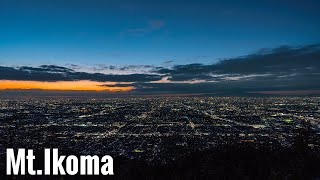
(158, 129)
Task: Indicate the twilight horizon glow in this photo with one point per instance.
(83, 85)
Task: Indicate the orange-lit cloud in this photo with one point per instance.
(82, 85)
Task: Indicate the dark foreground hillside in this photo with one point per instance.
(241, 161)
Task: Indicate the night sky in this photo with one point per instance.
(160, 46)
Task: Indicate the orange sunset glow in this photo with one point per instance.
(82, 85)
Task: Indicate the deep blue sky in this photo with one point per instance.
(150, 32)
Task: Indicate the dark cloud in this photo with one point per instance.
(129, 67)
(152, 25)
(117, 85)
(47, 68)
(30, 73)
(236, 87)
(282, 68)
(57, 73)
(73, 66)
(125, 68)
(167, 62)
(284, 60)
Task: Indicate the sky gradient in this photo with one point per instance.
(36, 32)
(159, 46)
